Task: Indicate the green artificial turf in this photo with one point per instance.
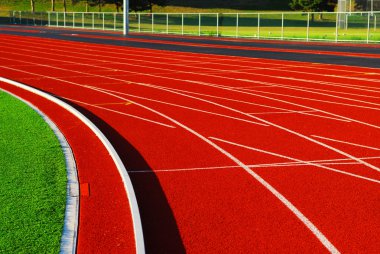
(32, 182)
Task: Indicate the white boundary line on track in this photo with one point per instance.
(320, 236)
(226, 88)
(222, 87)
(276, 126)
(179, 106)
(121, 113)
(280, 112)
(230, 58)
(266, 165)
(234, 71)
(348, 143)
(235, 79)
(70, 227)
(294, 159)
(137, 227)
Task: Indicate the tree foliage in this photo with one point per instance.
(134, 5)
(313, 5)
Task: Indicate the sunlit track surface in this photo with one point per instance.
(226, 153)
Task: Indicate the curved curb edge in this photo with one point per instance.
(137, 226)
(70, 225)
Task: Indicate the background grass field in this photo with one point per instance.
(172, 6)
(32, 182)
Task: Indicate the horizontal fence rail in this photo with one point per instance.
(308, 26)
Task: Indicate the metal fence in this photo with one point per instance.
(309, 26)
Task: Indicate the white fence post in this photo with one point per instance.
(308, 26)
(103, 20)
(152, 22)
(114, 21)
(56, 15)
(336, 27)
(182, 24)
(217, 25)
(93, 20)
(64, 19)
(258, 25)
(199, 24)
(282, 26)
(237, 25)
(49, 19)
(139, 17)
(73, 19)
(368, 27)
(167, 23)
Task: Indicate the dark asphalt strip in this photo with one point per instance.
(69, 35)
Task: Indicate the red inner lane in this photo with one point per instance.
(310, 130)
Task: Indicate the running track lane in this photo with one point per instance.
(105, 222)
(190, 171)
(251, 48)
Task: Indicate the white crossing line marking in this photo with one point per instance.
(348, 143)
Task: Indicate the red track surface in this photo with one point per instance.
(103, 200)
(303, 51)
(189, 126)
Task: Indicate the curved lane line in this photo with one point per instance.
(137, 227)
(318, 234)
(232, 109)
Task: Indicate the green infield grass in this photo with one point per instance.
(32, 182)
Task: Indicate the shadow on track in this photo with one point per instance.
(161, 234)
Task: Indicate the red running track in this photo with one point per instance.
(227, 154)
(103, 200)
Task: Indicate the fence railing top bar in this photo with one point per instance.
(206, 13)
(176, 13)
(79, 12)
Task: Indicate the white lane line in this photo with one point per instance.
(154, 75)
(337, 162)
(320, 236)
(121, 113)
(232, 109)
(281, 112)
(177, 105)
(181, 65)
(315, 89)
(234, 100)
(326, 94)
(296, 160)
(136, 219)
(244, 80)
(312, 99)
(327, 117)
(75, 84)
(159, 54)
(293, 104)
(282, 128)
(259, 119)
(348, 143)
